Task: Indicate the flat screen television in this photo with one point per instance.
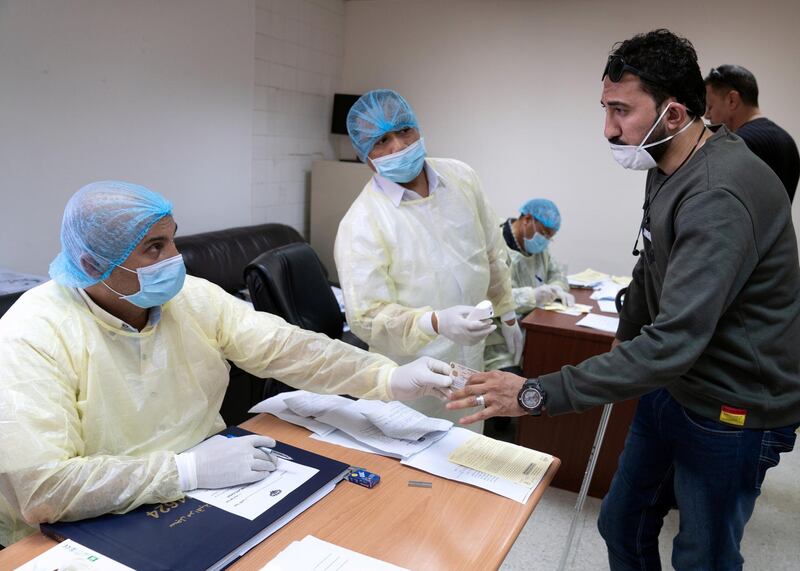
(342, 102)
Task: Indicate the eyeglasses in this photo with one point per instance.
(616, 67)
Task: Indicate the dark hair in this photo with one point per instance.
(670, 58)
(727, 77)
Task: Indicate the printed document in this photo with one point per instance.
(576, 309)
(251, 500)
(434, 460)
(352, 422)
(72, 556)
(397, 420)
(277, 406)
(601, 322)
(313, 404)
(509, 461)
(607, 306)
(587, 278)
(314, 554)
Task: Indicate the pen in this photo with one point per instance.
(539, 279)
(277, 454)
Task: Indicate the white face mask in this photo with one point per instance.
(636, 157)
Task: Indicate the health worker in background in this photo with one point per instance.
(419, 248)
(115, 370)
(536, 276)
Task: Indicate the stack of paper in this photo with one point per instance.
(390, 429)
(587, 278)
(576, 309)
(314, 554)
(395, 430)
(484, 462)
(600, 322)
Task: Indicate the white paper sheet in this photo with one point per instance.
(434, 461)
(314, 554)
(607, 306)
(72, 556)
(606, 290)
(397, 420)
(308, 404)
(276, 406)
(355, 424)
(601, 322)
(341, 439)
(251, 500)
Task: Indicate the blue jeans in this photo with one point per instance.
(712, 472)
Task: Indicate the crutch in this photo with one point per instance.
(587, 479)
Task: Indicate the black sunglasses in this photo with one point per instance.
(616, 67)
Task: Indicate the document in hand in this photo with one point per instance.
(192, 533)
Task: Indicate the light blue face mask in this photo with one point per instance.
(158, 283)
(402, 166)
(537, 244)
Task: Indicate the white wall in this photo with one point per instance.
(298, 62)
(155, 92)
(513, 88)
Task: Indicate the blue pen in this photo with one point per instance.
(539, 279)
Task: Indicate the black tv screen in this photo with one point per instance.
(342, 102)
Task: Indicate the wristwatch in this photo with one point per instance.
(531, 397)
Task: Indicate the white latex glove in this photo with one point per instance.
(545, 294)
(454, 325)
(513, 336)
(422, 377)
(220, 462)
(566, 298)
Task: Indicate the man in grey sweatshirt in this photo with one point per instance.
(709, 332)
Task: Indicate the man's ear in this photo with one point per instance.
(733, 100)
(676, 116)
(90, 266)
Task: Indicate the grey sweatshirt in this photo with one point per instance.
(713, 312)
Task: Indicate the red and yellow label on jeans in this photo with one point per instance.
(730, 415)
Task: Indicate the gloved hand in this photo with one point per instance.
(566, 298)
(513, 336)
(220, 462)
(454, 325)
(545, 294)
(422, 377)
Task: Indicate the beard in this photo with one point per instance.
(658, 151)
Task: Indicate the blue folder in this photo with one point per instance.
(191, 535)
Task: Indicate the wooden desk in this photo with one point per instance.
(448, 526)
(552, 340)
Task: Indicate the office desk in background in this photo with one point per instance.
(448, 526)
(552, 340)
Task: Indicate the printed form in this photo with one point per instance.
(251, 500)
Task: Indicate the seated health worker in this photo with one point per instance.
(419, 248)
(536, 276)
(116, 368)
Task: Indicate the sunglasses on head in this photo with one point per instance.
(616, 68)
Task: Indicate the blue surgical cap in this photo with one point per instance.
(103, 222)
(374, 114)
(545, 211)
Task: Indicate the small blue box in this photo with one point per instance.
(362, 477)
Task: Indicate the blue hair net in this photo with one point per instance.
(545, 211)
(374, 114)
(103, 222)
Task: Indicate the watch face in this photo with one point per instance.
(531, 398)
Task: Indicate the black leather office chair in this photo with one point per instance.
(291, 282)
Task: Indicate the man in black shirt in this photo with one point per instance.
(732, 99)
